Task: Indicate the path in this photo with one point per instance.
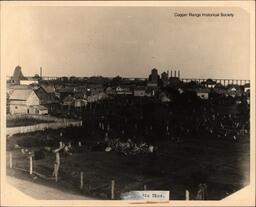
(42, 192)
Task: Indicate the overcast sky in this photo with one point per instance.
(87, 41)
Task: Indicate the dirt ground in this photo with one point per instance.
(43, 192)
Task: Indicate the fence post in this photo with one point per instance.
(187, 195)
(81, 180)
(10, 160)
(112, 190)
(145, 187)
(56, 172)
(30, 165)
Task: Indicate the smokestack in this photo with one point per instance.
(179, 73)
(175, 73)
(41, 71)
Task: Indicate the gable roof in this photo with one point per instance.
(21, 94)
(44, 97)
(48, 88)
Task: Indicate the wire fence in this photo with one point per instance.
(79, 181)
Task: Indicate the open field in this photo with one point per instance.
(222, 164)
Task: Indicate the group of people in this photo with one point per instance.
(128, 147)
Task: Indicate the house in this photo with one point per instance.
(41, 110)
(110, 91)
(246, 87)
(80, 103)
(139, 91)
(150, 92)
(66, 91)
(48, 100)
(49, 88)
(68, 101)
(95, 88)
(220, 89)
(25, 101)
(123, 90)
(234, 91)
(209, 83)
(203, 93)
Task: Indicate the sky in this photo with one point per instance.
(126, 41)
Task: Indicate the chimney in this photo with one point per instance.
(175, 73)
(178, 73)
(41, 71)
(168, 73)
(171, 73)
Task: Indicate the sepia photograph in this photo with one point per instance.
(142, 102)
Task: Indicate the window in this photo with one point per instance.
(16, 107)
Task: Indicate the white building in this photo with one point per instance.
(25, 101)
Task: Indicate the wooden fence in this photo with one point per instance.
(40, 127)
(10, 117)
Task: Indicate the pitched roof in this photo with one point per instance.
(40, 107)
(45, 98)
(21, 94)
(48, 88)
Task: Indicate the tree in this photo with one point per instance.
(116, 81)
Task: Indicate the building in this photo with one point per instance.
(17, 76)
(19, 79)
(203, 93)
(164, 79)
(65, 91)
(153, 78)
(139, 91)
(29, 81)
(123, 90)
(110, 91)
(95, 89)
(175, 82)
(48, 100)
(247, 87)
(68, 102)
(209, 83)
(234, 91)
(80, 103)
(49, 88)
(25, 101)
